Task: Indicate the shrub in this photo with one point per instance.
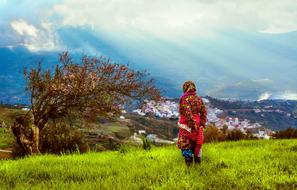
(213, 134)
(235, 135)
(146, 143)
(288, 133)
(61, 137)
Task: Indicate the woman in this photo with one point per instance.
(191, 123)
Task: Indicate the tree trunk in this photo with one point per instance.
(27, 135)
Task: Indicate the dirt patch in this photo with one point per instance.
(6, 153)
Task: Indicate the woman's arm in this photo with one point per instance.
(203, 113)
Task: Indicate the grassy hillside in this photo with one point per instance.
(270, 164)
(97, 132)
(7, 117)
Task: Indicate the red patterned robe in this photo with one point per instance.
(192, 115)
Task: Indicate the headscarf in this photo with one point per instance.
(189, 87)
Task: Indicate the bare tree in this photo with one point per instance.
(96, 86)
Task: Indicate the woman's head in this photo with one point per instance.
(189, 86)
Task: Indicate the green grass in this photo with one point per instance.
(270, 164)
(119, 130)
(114, 127)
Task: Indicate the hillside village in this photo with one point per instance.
(217, 117)
(157, 120)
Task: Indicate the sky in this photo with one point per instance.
(221, 45)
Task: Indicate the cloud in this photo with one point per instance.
(23, 28)
(23, 23)
(35, 38)
(287, 96)
(175, 18)
(264, 96)
(2, 2)
(262, 80)
(192, 32)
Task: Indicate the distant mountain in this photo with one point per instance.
(273, 114)
(229, 64)
(13, 61)
(245, 90)
(12, 64)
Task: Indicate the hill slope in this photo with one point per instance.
(230, 165)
